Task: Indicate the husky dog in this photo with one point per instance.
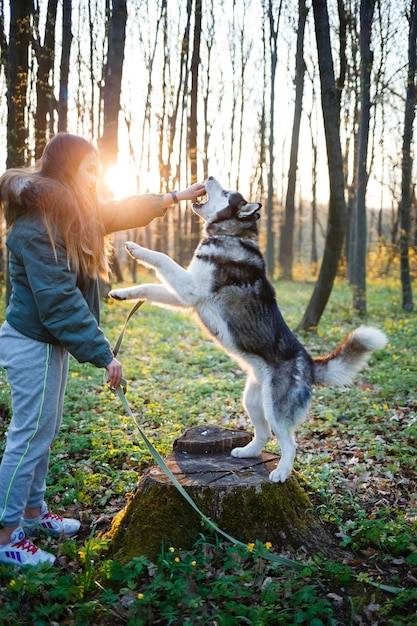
(227, 287)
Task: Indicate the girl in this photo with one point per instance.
(58, 247)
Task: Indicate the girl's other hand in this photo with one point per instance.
(115, 373)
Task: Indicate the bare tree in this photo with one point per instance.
(407, 161)
(4, 68)
(273, 48)
(112, 85)
(245, 49)
(209, 32)
(164, 170)
(93, 15)
(18, 68)
(192, 121)
(3, 40)
(111, 97)
(258, 177)
(287, 228)
(44, 87)
(17, 102)
(314, 177)
(183, 219)
(65, 65)
(337, 219)
(360, 229)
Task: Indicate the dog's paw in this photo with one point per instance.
(117, 294)
(246, 452)
(279, 475)
(123, 294)
(133, 249)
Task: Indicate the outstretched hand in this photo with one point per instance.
(192, 192)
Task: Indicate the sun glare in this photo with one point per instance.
(121, 181)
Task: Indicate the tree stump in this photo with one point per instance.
(234, 493)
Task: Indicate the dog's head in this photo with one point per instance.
(227, 212)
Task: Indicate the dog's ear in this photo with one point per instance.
(247, 209)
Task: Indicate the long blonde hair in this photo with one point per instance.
(70, 214)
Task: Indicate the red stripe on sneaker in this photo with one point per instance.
(53, 516)
(24, 544)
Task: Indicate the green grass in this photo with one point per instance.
(356, 456)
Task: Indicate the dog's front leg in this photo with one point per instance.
(156, 294)
(168, 271)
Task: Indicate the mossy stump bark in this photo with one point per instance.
(234, 493)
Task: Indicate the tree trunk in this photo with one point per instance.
(273, 39)
(18, 68)
(314, 160)
(65, 65)
(337, 206)
(360, 219)
(244, 50)
(3, 43)
(407, 161)
(192, 122)
(111, 98)
(112, 87)
(93, 116)
(210, 38)
(259, 182)
(183, 217)
(352, 139)
(44, 88)
(17, 73)
(4, 279)
(287, 229)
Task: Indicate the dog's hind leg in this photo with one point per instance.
(285, 433)
(252, 402)
(284, 413)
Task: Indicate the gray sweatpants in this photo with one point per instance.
(37, 373)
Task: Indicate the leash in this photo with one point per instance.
(121, 391)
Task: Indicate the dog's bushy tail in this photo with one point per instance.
(341, 366)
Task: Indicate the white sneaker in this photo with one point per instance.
(20, 551)
(50, 523)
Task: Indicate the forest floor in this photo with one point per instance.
(356, 460)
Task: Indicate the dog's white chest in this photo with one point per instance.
(202, 274)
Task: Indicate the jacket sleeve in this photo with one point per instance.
(132, 212)
(61, 306)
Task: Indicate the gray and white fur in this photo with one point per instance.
(227, 287)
